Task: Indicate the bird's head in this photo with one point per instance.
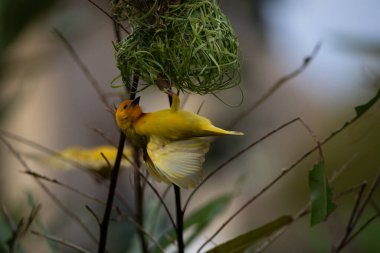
(128, 112)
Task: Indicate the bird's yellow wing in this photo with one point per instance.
(179, 162)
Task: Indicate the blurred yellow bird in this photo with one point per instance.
(92, 159)
(170, 139)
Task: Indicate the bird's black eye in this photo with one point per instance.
(125, 107)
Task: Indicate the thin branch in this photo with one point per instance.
(108, 15)
(93, 214)
(117, 31)
(156, 209)
(337, 173)
(278, 84)
(350, 225)
(362, 227)
(145, 232)
(22, 228)
(285, 171)
(59, 183)
(261, 192)
(306, 208)
(102, 134)
(375, 206)
(114, 177)
(179, 215)
(41, 148)
(201, 106)
(83, 67)
(368, 197)
(60, 241)
(356, 207)
(160, 199)
(106, 160)
(234, 157)
(48, 192)
(301, 213)
(139, 203)
(111, 193)
(357, 213)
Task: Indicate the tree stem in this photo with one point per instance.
(181, 245)
(139, 201)
(111, 193)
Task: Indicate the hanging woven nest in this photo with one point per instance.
(190, 46)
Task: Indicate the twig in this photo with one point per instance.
(357, 213)
(41, 148)
(261, 192)
(160, 199)
(234, 157)
(350, 225)
(368, 197)
(156, 210)
(22, 228)
(83, 67)
(108, 15)
(102, 134)
(111, 193)
(117, 31)
(306, 62)
(68, 187)
(115, 173)
(93, 214)
(179, 215)
(337, 173)
(301, 213)
(139, 204)
(285, 171)
(362, 227)
(145, 233)
(375, 206)
(60, 241)
(201, 106)
(48, 192)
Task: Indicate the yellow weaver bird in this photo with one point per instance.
(170, 139)
(89, 159)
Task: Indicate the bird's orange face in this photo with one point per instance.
(127, 113)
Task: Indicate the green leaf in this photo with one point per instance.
(201, 218)
(244, 241)
(198, 220)
(320, 194)
(361, 109)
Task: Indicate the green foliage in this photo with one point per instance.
(244, 241)
(190, 46)
(5, 232)
(361, 109)
(198, 220)
(320, 195)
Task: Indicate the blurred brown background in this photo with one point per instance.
(49, 100)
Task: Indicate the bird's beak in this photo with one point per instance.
(135, 102)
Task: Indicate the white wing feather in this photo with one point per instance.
(179, 162)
